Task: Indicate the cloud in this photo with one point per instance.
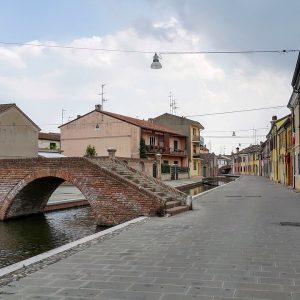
(43, 81)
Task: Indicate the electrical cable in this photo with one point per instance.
(281, 51)
(236, 111)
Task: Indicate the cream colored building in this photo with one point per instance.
(18, 133)
(104, 130)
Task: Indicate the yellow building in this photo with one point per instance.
(276, 161)
(285, 169)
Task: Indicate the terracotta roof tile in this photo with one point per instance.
(142, 123)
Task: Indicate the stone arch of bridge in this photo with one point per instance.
(31, 194)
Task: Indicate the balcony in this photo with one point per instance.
(196, 155)
(196, 138)
(171, 151)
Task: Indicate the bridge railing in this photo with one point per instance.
(170, 189)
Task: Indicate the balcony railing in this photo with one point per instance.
(196, 138)
(162, 150)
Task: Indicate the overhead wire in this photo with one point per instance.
(236, 111)
(277, 51)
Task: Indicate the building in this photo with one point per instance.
(224, 164)
(49, 141)
(265, 159)
(247, 161)
(209, 164)
(273, 137)
(293, 105)
(285, 168)
(127, 135)
(49, 144)
(191, 129)
(18, 133)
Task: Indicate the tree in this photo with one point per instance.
(143, 149)
(90, 151)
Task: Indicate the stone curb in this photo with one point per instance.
(195, 197)
(42, 256)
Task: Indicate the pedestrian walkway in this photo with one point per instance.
(231, 246)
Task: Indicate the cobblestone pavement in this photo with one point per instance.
(230, 246)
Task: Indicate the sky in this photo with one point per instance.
(54, 85)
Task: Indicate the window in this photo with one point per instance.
(152, 140)
(175, 162)
(165, 162)
(195, 166)
(299, 163)
(194, 131)
(52, 146)
(175, 145)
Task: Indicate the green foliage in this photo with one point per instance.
(143, 149)
(165, 168)
(90, 151)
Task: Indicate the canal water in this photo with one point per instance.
(26, 237)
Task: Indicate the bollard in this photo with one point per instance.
(189, 202)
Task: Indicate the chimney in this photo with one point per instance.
(78, 116)
(237, 149)
(274, 119)
(98, 107)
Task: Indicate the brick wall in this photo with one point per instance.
(27, 184)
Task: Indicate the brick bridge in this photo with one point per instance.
(115, 192)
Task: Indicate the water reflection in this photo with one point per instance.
(198, 189)
(25, 237)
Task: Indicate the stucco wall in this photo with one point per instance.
(18, 136)
(112, 133)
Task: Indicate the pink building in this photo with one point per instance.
(104, 130)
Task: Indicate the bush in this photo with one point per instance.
(90, 151)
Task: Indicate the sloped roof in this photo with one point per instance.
(250, 149)
(137, 122)
(51, 136)
(183, 119)
(6, 106)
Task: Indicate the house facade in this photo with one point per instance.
(49, 141)
(18, 133)
(105, 130)
(246, 161)
(293, 105)
(191, 129)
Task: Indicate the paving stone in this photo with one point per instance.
(263, 295)
(124, 295)
(185, 297)
(102, 285)
(206, 291)
(161, 288)
(88, 293)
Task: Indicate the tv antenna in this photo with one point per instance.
(102, 96)
(173, 105)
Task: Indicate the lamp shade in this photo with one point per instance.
(156, 64)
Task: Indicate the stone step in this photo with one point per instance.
(177, 210)
(173, 203)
